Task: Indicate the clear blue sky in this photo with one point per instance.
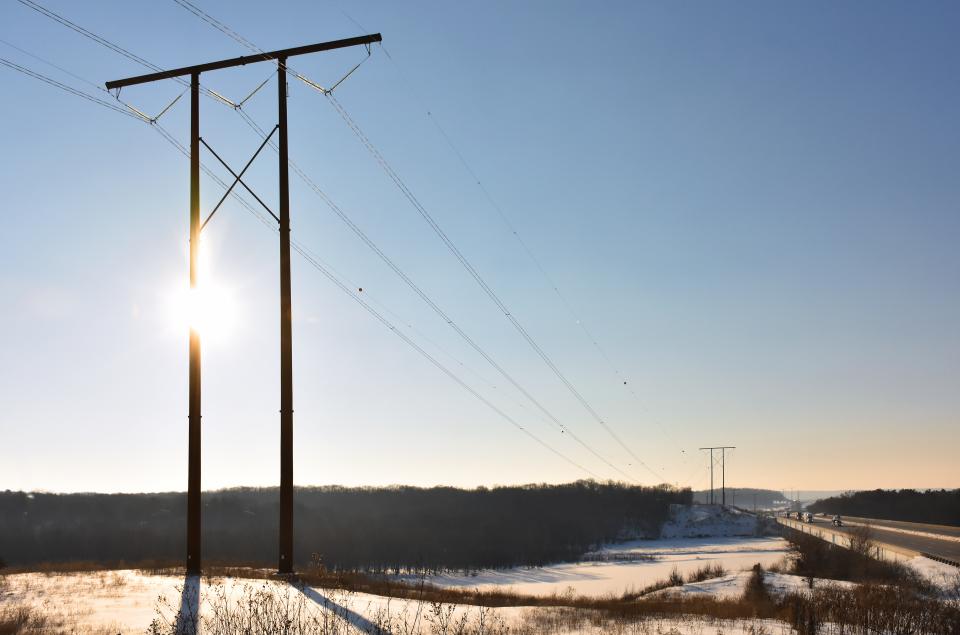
(753, 206)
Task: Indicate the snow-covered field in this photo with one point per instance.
(107, 603)
(124, 602)
(653, 560)
(128, 601)
(694, 536)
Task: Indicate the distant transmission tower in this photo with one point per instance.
(723, 471)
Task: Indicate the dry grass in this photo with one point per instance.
(20, 619)
(17, 619)
(88, 566)
(707, 572)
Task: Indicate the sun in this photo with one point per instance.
(209, 308)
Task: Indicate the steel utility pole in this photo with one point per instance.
(723, 478)
(194, 508)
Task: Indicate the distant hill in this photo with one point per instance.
(701, 521)
(939, 507)
(744, 497)
(367, 528)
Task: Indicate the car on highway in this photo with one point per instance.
(837, 522)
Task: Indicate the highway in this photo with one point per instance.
(938, 540)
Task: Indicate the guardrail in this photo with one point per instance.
(939, 559)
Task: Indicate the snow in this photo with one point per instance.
(128, 601)
(945, 576)
(685, 625)
(731, 587)
(119, 602)
(653, 561)
(696, 521)
(728, 587)
(112, 599)
(784, 583)
(695, 536)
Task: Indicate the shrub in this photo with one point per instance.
(755, 592)
(16, 619)
(675, 578)
(707, 572)
(816, 558)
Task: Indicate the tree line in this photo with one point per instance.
(938, 507)
(362, 529)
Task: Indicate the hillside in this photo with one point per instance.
(700, 521)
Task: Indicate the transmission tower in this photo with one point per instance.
(285, 560)
(723, 471)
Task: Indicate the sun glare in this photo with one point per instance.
(209, 308)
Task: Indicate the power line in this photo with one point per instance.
(316, 263)
(226, 30)
(52, 65)
(111, 106)
(435, 362)
(523, 244)
(539, 265)
(433, 305)
(411, 197)
(69, 89)
(132, 110)
(102, 41)
(433, 224)
(88, 34)
(237, 107)
(386, 259)
(223, 28)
